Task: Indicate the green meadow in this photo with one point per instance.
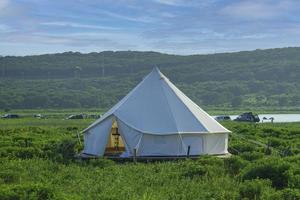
(37, 162)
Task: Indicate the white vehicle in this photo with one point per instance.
(223, 118)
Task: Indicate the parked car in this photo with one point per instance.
(223, 118)
(94, 116)
(10, 116)
(80, 116)
(39, 116)
(248, 117)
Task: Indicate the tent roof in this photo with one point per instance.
(157, 106)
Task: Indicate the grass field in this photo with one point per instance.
(37, 162)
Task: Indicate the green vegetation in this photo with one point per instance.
(256, 79)
(37, 162)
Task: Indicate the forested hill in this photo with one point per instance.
(253, 78)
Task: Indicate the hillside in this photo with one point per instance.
(268, 78)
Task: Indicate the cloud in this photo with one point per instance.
(5, 28)
(258, 36)
(171, 2)
(262, 9)
(3, 4)
(145, 19)
(177, 26)
(78, 25)
(185, 3)
(93, 40)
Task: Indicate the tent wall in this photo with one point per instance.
(95, 140)
(161, 145)
(172, 145)
(215, 143)
(195, 142)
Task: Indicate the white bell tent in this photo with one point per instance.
(157, 119)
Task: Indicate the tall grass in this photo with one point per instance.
(37, 162)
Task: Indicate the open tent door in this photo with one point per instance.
(115, 143)
(96, 138)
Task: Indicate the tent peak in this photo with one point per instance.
(157, 72)
(156, 69)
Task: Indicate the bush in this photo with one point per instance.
(274, 169)
(192, 171)
(243, 147)
(234, 164)
(7, 194)
(251, 156)
(27, 153)
(290, 194)
(27, 191)
(294, 177)
(204, 166)
(62, 151)
(9, 176)
(253, 189)
(20, 152)
(276, 142)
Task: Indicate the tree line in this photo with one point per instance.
(72, 79)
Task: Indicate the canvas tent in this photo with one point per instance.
(157, 119)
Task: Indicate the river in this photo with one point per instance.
(277, 117)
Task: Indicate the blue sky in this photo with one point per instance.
(172, 26)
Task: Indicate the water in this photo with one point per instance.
(277, 117)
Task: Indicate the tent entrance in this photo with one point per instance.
(115, 144)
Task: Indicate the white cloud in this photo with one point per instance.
(170, 2)
(201, 3)
(78, 25)
(145, 19)
(5, 29)
(258, 36)
(167, 15)
(263, 9)
(3, 4)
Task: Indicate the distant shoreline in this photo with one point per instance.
(209, 110)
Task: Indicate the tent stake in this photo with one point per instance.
(134, 155)
(188, 151)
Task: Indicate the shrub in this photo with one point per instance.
(62, 151)
(234, 164)
(253, 189)
(26, 191)
(243, 147)
(7, 194)
(192, 171)
(274, 169)
(204, 166)
(27, 153)
(20, 152)
(276, 142)
(290, 194)
(8, 176)
(251, 156)
(22, 141)
(294, 177)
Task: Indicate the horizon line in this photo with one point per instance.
(148, 51)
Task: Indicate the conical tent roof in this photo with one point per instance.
(156, 106)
